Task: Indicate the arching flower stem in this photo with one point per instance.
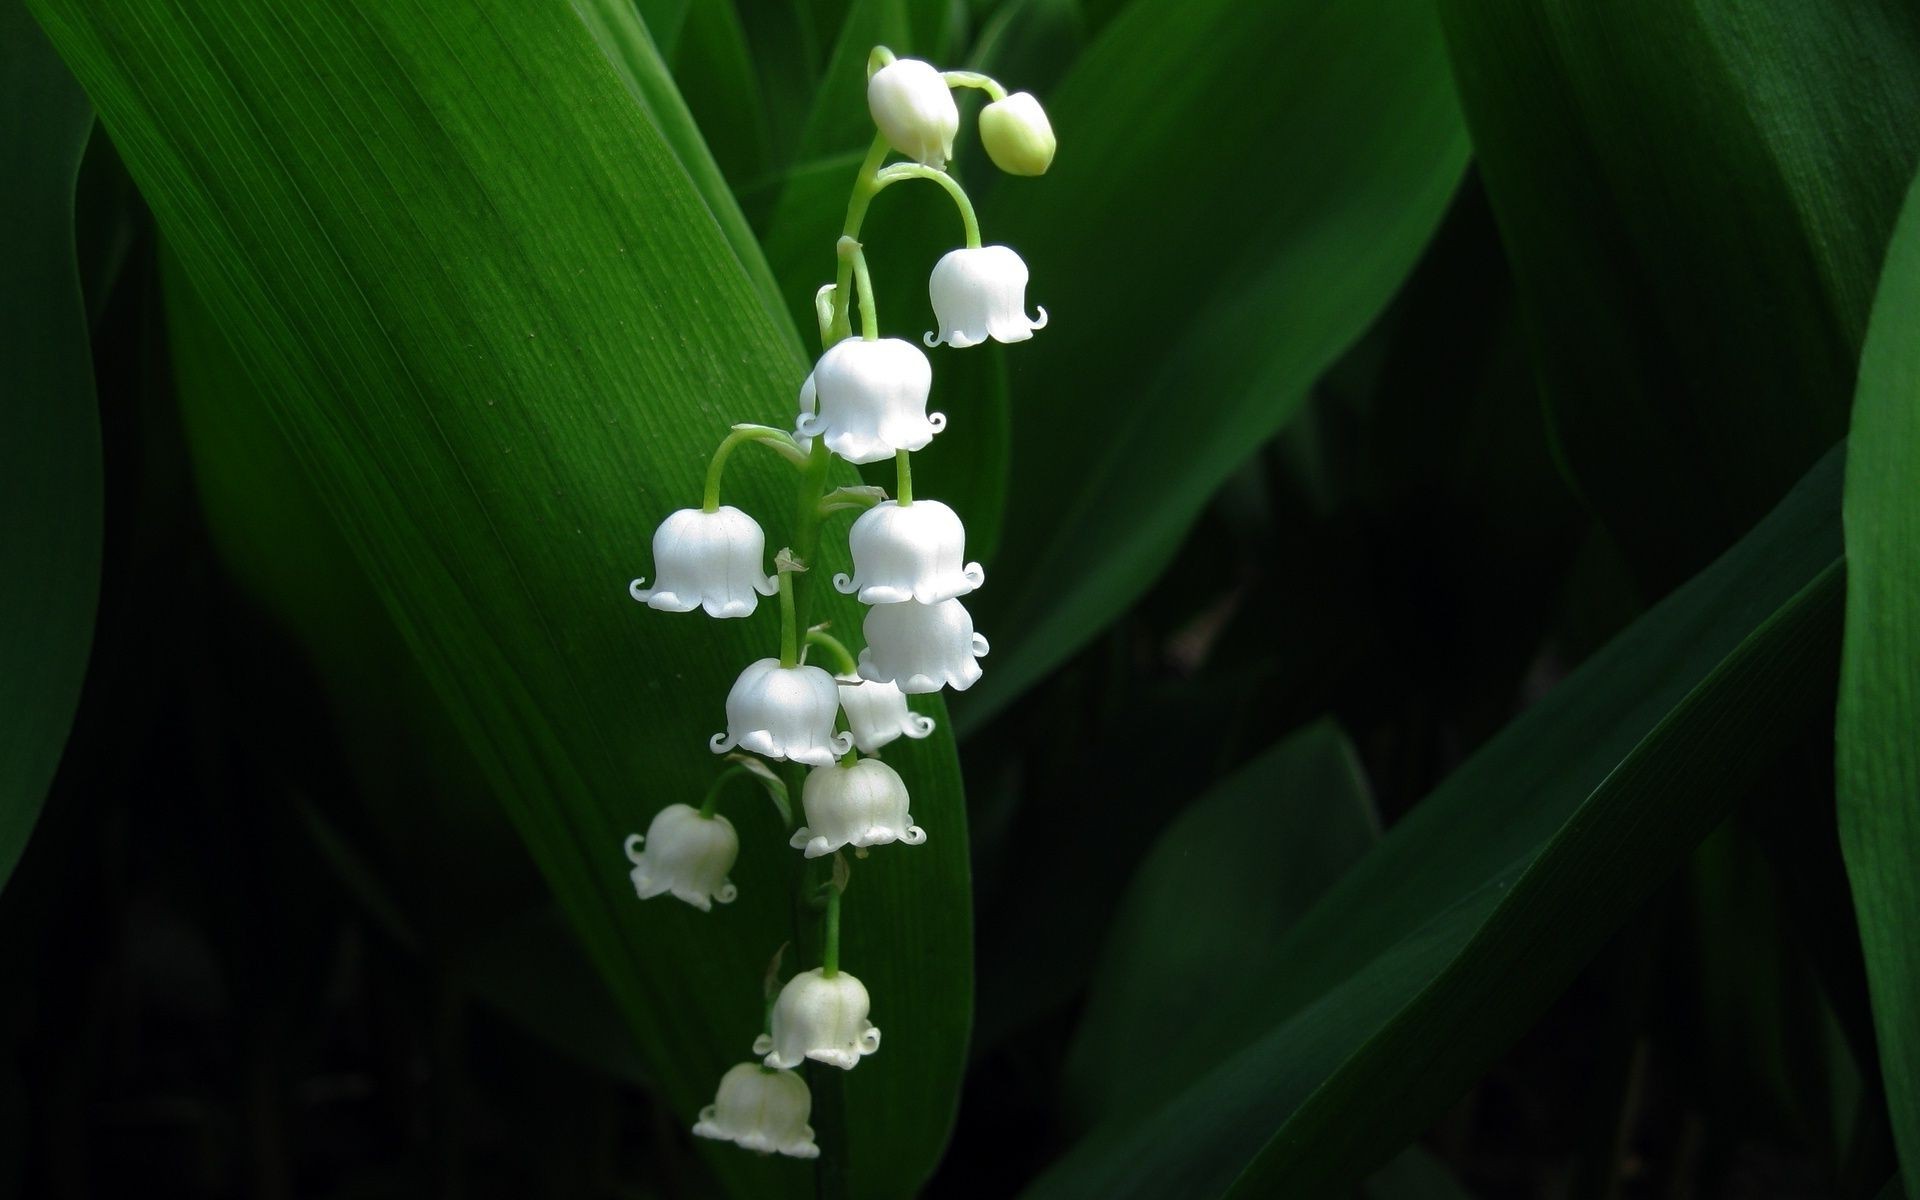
(779, 439)
(903, 468)
(869, 317)
(843, 661)
(830, 952)
(899, 171)
(789, 643)
(712, 802)
(974, 79)
(864, 188)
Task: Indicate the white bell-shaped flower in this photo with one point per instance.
(877, 713)
(686, 854)
(820, 1017)
(922, 647)
(763, 1110)
(864, 804)
(1018, 137)
(707, 559)
(784, 712)
(980, 293)
(909, 552)
(868, 399)
(914, 108)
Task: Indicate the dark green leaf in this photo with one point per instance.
(1297, 162)
(1877, 741)
(502, 330)
(1695, 196)
(1445, 942)
(50, 487)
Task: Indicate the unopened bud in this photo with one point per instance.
(1017, 135)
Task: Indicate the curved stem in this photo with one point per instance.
(830, 953)
(836, 649)
(720, 781)
(806, 526)
(779, 439)
(974, 79)
(789, 642)
(869, 316)
(898, 171)
(903, 467)
(863, 192)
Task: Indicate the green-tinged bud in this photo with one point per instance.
(1017, 135)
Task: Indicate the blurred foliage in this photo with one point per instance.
(1408, 766)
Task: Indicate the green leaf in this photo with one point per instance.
(1231, 874)
(1695, 197)
(502, 330)
(1296, 163)
(50, 485)
(1441, 946)
(1877, 739)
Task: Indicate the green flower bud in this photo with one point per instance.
(1017, 135)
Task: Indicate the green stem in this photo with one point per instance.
(779, 439)
(903, 468)
(869, 315)
(830, 954)
(864, 189)
(720, 781)
(789, 640)
(974, 79)
(806, 526)
(843, 661)
(899, 171)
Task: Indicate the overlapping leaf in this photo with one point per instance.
(501, 329)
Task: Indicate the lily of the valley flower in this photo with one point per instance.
(763, 1110)
(708, 560)
(822, 1017)
(861, 804)
(979, 293)
(909, 552)
(914, 108)
(871, 399)
(1017, 135)
(686, 854)
(922, 647)
(877, 713)
(784, 712)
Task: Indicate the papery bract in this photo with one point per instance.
(980, 293)
(922, 647)
(784, 712)
(909, 552)
(914, 109)
(710, 560)
(820, 1017)
(758, 1108)
(686, 854)
(860, 804)
(871, 399)
(877, 713)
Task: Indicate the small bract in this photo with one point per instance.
(922, 647)
(914, 110)
(877, 713)
(822, 1017)
(862, 804)
(868, 399)
(980, 293)
(909, 552)
(708, 560)
(686, 854)
(763, 1110)
(1017, 135)
(784, 712)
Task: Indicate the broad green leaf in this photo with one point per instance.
(1229, 876)
(502, 330)
(1209, 239)
(715, 71)
(1695, 196)
(1877, 740)
(50, 487)
(1442, 945)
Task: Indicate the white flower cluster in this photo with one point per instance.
(865, 401)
